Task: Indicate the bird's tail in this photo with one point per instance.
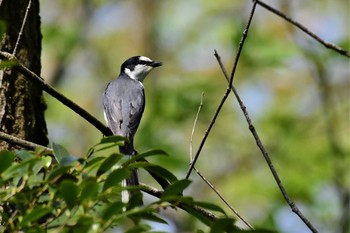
(132, 180)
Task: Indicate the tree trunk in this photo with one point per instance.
(21, 102)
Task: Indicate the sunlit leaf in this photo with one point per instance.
(46, 161)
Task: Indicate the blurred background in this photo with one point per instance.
(296, 92)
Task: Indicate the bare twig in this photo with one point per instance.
(22, 27)
(292, 205)
(241, 43)
(158, 193)
(23, 143)
(203, 178)
(224, 200)
(194, 127)
(304, 29)
(50, 90)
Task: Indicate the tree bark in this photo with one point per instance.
(21, 102)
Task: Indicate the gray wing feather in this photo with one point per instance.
(123, 106)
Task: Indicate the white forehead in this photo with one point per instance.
(143, 58)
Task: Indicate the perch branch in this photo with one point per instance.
(292, 205)
(23, 143)
(328, 45)
(50, 90)
(227, 92)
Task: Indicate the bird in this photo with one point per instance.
(124, 103)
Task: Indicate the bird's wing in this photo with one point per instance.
(123, 108)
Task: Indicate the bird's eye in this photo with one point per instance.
(142, 62)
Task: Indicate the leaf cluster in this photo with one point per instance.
(44, 193)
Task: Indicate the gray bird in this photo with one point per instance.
(124, 102)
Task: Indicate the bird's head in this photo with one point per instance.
(138, 67)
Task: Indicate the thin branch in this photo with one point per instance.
(23, 143)
(194, 127)
(304, 29)
(22, 28)
(241, 43)
(158, 193)
(292, 205)
(203, 178)
(50, 90)
(223, 199)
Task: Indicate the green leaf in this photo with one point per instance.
(34, 215)
(200, 216)
(161, 172)
(144, 155)
(209, 206)
(176, 188)
(93, 161)
(89, 191)
(150, 216)
(69, 192)
(223, 225)
(68, 160)
(140, 228)
(57, 172)
(46, 161)
(108, 163)
(20, 168)
(59, 152)
(24, 155)
(113, 209)
(7, 158)
(112, 139)
(84, 224)
(116, 177)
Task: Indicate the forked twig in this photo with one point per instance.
(292, 205)
(227, 92)
(205, 179)
(304, 29)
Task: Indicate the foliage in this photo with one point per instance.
(39, 194)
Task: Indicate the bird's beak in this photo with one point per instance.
(156, 64)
